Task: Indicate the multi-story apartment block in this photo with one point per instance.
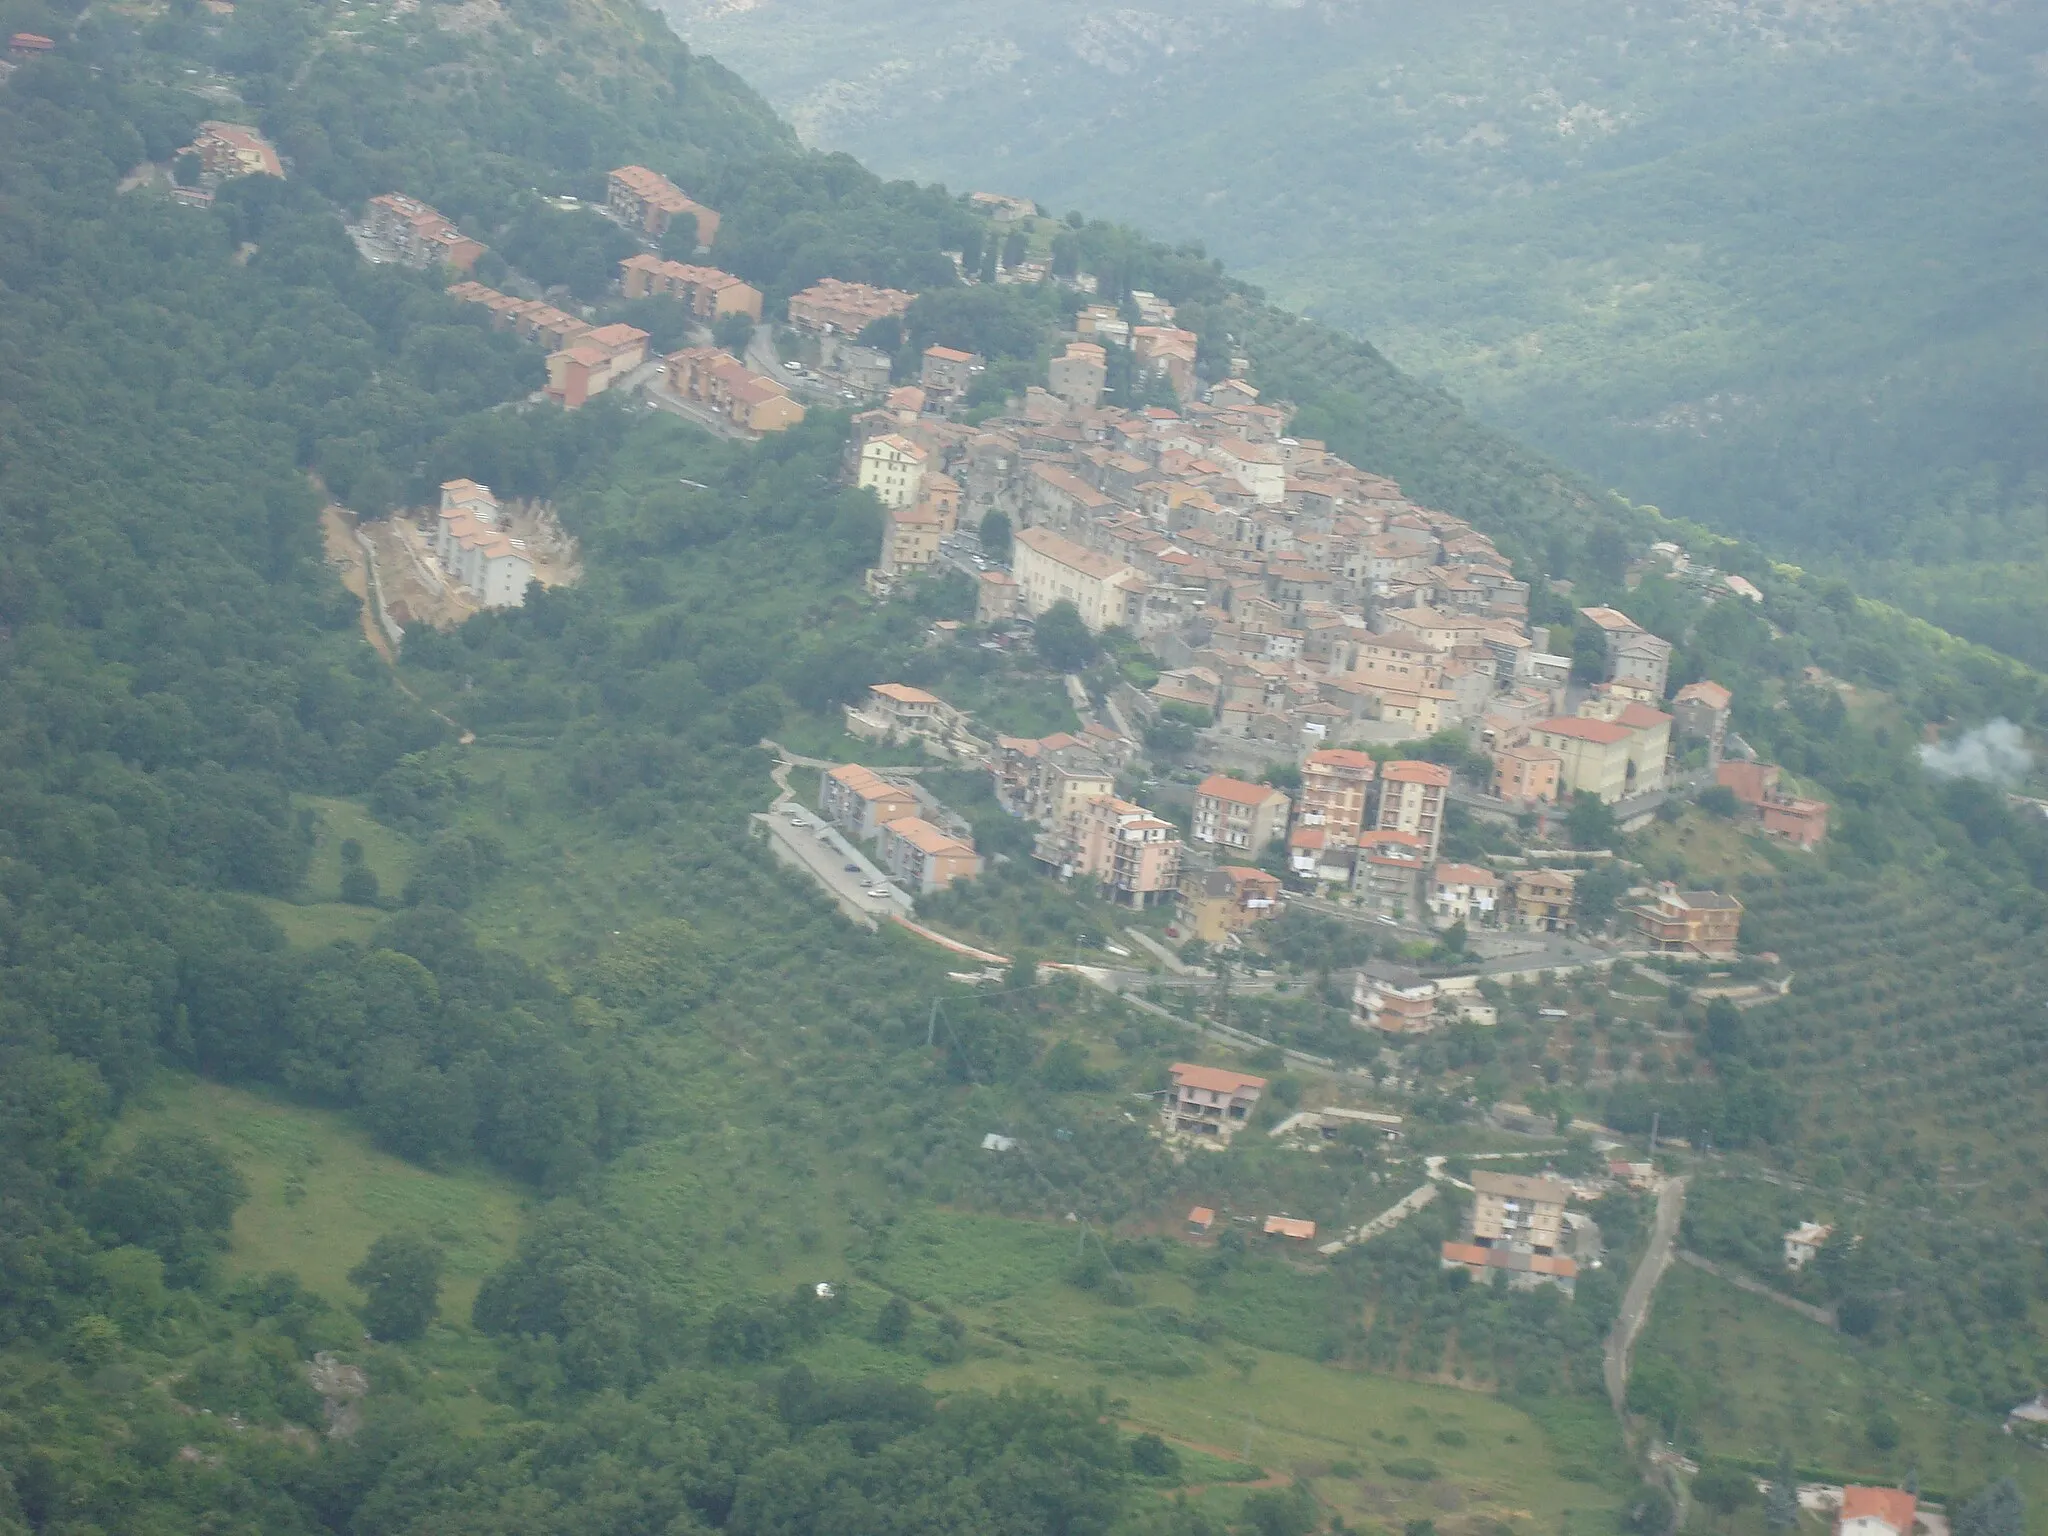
(489, 564)
(892, 467)
(861, 802)
(649, 202)
(593, 362)
(1412, 799)
(921, 857)
(715, 379)
(1526, 775)
(1230, 813)
(1131, 853)
(1517, 1229)
(417, 235)
(1336, 794)
(842, 308)
(705, 291)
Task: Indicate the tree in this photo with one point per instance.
(173, 1193)
(1719, 800)
(996, 538)
(733, 332)
(680, 240)
(1596, 892)
(1591, 822)
(1650, 1512)
(892, 1323)
(1724, 1487)
(1781, 1500)
(402, 1274)
(359, 885)
(1722, 1034)
(1997, 1511)
(1063, 640)
(1153, 1457)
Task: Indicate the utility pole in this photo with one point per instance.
(931, 1024)
(1653, 1132)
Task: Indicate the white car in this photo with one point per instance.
(798, 821)
(1389, 921)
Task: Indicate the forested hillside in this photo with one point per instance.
(330, 991)
(1766, 267)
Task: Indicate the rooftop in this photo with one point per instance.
(1604, 732)
(1222, 787)
(1187, 1074)
(1409, 772)
(1894, 1506)
(1522, 1186)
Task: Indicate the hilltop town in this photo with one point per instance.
(1308, 628)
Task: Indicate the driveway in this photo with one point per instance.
(1642, 1286)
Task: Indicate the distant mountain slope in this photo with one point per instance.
(1765, 265)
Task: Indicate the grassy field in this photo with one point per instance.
(1767, 1379)
(1489, 1462)
(320, 1193)
(1709, 848)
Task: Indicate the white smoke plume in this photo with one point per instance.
(1995, 752)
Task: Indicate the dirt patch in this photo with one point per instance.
(345, 557)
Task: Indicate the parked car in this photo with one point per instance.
(853, 869)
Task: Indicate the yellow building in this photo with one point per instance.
(1612, 758)
(1050, 569)
(893, 468)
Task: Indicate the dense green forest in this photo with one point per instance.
(545, 961)
(1768, 268)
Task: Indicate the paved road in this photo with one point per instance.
(1515, 951)
(821, 852)
(1635, 1305)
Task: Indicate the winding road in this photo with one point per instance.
(1642, 1286)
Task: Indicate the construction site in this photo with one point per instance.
(414, 588)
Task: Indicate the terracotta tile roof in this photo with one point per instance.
(1289, 1226)
(1410, 772)
(1604, 732)
(1894, 1506)
(1221, 787)
(903, 693)
(1213, 1079)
